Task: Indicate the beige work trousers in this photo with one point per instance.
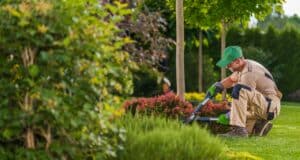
(251, 106)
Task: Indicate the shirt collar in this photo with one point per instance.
(246, 67)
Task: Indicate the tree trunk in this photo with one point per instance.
(200, 62)
(180, 49)
(223, 44)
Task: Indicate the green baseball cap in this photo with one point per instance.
(230, 54)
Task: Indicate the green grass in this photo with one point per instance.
(283, 141)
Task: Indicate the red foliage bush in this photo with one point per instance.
(171, 105)
(168, 105)
(212, 109)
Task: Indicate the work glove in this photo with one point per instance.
(214, 89)
(223, 119)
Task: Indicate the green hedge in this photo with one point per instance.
(151, 138)
(278, 50)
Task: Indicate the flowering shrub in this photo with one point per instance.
(198, 97)
(194, 96)
(218, 98)
(168, 105)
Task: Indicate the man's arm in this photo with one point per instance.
(228, 82)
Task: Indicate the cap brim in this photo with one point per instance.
(223, 63)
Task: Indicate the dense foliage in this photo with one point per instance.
(279, 21)
(61, 65)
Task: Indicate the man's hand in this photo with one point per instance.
(223, 119)
(215, 88)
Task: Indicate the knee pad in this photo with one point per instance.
(236, 90)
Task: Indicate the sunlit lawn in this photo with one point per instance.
(283, 142)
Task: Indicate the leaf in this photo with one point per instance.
(44, 56)
(30, 82)
(7, 133)
(111, 8)
(23, 22)
(125, 12)
(34, 70)
(67, 41)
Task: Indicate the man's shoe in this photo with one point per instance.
(267, 128)
(262, 128)
(236, 132)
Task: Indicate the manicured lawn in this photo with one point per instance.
(283, 142)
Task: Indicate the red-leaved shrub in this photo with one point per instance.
(212, 109)
(168, 105)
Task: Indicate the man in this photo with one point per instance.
(255, 94)
(166, 86)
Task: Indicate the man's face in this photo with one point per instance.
(235, 65)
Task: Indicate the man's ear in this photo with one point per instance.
(239, 61)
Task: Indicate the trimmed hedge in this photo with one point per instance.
(151, 138)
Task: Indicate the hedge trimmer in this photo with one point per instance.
(192, 117)
(212, 91)
(222, 119)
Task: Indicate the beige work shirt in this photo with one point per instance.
(257, 77)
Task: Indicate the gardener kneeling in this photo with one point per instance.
(255, 94)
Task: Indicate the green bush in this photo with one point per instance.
(157, 138)
(61, 63)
